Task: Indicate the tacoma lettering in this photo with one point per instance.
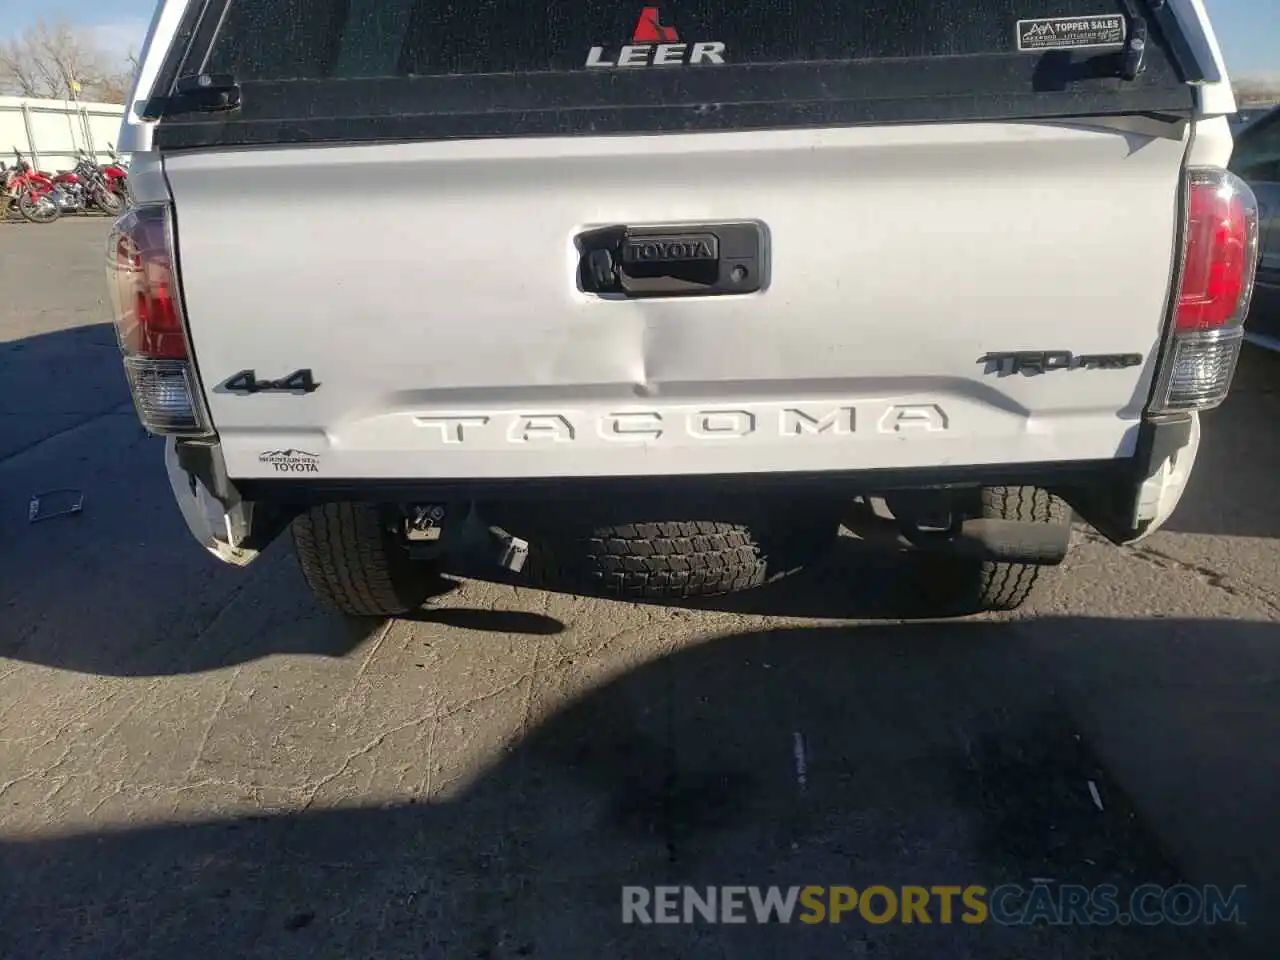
(725, 424)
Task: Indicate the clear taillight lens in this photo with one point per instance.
(1199, 371)
(163, 394)
(1220, 261)
(150, 325)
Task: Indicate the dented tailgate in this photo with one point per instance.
(425, 240)
(439, 305)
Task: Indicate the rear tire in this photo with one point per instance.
(353, 562)
(671, 550)
(958, 586)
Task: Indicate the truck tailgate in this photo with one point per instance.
(432, 289)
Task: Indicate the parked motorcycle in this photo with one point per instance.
(7, 199)
(117, 173)
(87, 187)
(44, 198)
(32, 192)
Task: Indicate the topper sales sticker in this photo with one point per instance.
(1072, 33)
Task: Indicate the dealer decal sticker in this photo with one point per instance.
(1071, 33)
(655, 44)
(291, 461)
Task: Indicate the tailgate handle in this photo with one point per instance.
(654, 261)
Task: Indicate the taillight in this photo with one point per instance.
(1219, 262)
(150, 325)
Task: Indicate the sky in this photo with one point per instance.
(1247, 28)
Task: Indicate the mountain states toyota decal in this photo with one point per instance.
(655, 45)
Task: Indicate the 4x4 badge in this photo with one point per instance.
(655, 45)
(247, 382)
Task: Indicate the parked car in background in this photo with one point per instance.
(1257, 161)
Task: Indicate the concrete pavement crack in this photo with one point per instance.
(364, 666)
(222, 609)
(119, 409)
(357, 754)
(213, 718)
(480, 698)
(65, 725)
(425, 786)
(39, 772)
(1216, 579)
(526, 709)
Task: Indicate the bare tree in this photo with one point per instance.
(18, 72)
(58, 60)
(116, 86)
(113, 88)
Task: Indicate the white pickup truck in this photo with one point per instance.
(664, 295)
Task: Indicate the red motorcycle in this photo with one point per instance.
(80, 190)
(32, 193)
(86, 187)
(117, 174)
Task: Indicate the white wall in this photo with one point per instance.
(49, 132)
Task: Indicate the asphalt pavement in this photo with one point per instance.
(197, 760)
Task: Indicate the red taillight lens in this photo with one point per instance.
(150, 324)
(1221, 253)
(1220, 261)
(148, 313)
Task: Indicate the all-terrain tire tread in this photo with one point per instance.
(655, 559)
(964, 585)
(351, 562)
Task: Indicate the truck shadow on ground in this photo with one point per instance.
(934, 753)
(923, 754)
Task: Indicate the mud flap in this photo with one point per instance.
(1132, 509)
(235, 531)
